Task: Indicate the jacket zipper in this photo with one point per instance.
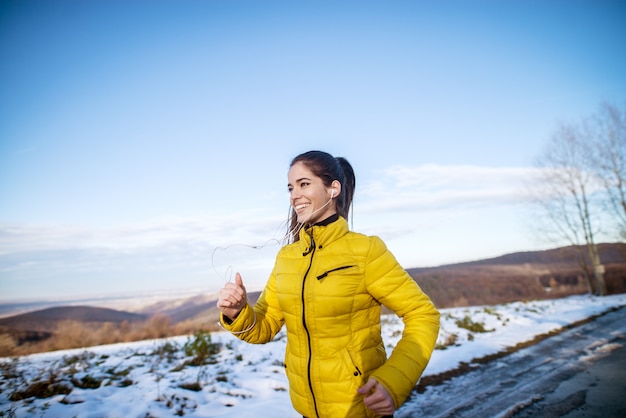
(306, 329)
(326, 273)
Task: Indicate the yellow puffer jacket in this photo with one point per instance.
(328, 289)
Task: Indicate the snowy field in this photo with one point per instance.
(154, 378)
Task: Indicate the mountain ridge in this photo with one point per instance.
(522, 276)
(543, 264)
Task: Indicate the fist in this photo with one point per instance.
(233, 297)
(376, 397)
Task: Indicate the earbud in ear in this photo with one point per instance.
(332, 193)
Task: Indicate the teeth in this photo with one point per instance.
(301, 206)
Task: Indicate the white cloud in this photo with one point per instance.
(440, 187)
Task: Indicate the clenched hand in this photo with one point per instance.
(233, 297)
(376, 397)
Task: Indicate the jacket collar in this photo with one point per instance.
(329, 220)
(323, 233)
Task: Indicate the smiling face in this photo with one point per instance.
(310, 199)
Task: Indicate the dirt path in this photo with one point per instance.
(578, 373)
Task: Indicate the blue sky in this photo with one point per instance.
(137, 137)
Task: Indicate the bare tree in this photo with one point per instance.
(607, 132)
(569, 196)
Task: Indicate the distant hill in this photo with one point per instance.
(47, 319)
(44, 325)
(519, 276)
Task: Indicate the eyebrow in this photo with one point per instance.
(299, 180)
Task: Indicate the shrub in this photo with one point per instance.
(201, 348)
(87, 382)
(166, 351)
(468, 324)
(450, 340)
(42, 389)
(195, 386)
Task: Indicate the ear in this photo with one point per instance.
(335, 189)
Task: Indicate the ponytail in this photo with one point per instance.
(348, 185)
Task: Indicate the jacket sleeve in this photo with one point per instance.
(258, 324)
(390, 284)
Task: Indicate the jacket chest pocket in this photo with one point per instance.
(335, 289)
(337, 279)
(335, 271)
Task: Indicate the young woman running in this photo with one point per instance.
(327, 287)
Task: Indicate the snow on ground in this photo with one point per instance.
(152, 379)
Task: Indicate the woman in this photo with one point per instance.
(327, 287)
